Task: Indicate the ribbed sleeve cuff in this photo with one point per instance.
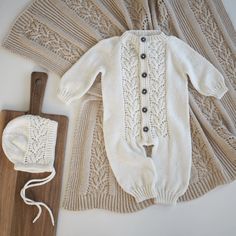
(143, 193)
(165, 197)
(220, 91)
(65, 95)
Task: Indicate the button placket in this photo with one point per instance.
(144, 83)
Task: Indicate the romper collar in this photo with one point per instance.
(147, 35)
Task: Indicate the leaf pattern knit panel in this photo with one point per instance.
(227, 59)
(92, 15)
(213, 115)
(99, 166)
(130, 83)
(157, 97)
(45, 37)
(215, 38)
(137, 17)
(36, 150)
(163, 18)
(131, 90)
(202, 166)
(58, 34)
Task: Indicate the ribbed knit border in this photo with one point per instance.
(144, 192)
(166, 197)
(122, 203)
(203, 186)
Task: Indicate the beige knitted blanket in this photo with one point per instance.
(55, 33)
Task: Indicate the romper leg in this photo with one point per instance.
(135, 172)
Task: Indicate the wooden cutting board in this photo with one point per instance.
(15, 216)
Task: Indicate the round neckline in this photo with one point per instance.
(148, 34)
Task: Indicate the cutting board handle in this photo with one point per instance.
(38, 85)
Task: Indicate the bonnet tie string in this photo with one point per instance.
(37, 182)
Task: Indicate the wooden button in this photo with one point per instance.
(143, 55)
(144, 109)
(143, 39)
(144, 91)
(144, 74)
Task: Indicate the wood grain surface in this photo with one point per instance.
(15, 216)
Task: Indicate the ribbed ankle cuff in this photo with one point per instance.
(164, 197)
(144, 193)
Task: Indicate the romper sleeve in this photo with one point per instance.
(205, 78)
(80, 77)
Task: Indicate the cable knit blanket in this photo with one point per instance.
(55, 33)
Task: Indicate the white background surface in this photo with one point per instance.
(214, 214)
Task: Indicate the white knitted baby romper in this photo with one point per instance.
(144, 77)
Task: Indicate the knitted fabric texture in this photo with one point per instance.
(29, 143)
(136, 115)
(57, 38)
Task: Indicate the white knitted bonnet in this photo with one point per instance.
(29, 143)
